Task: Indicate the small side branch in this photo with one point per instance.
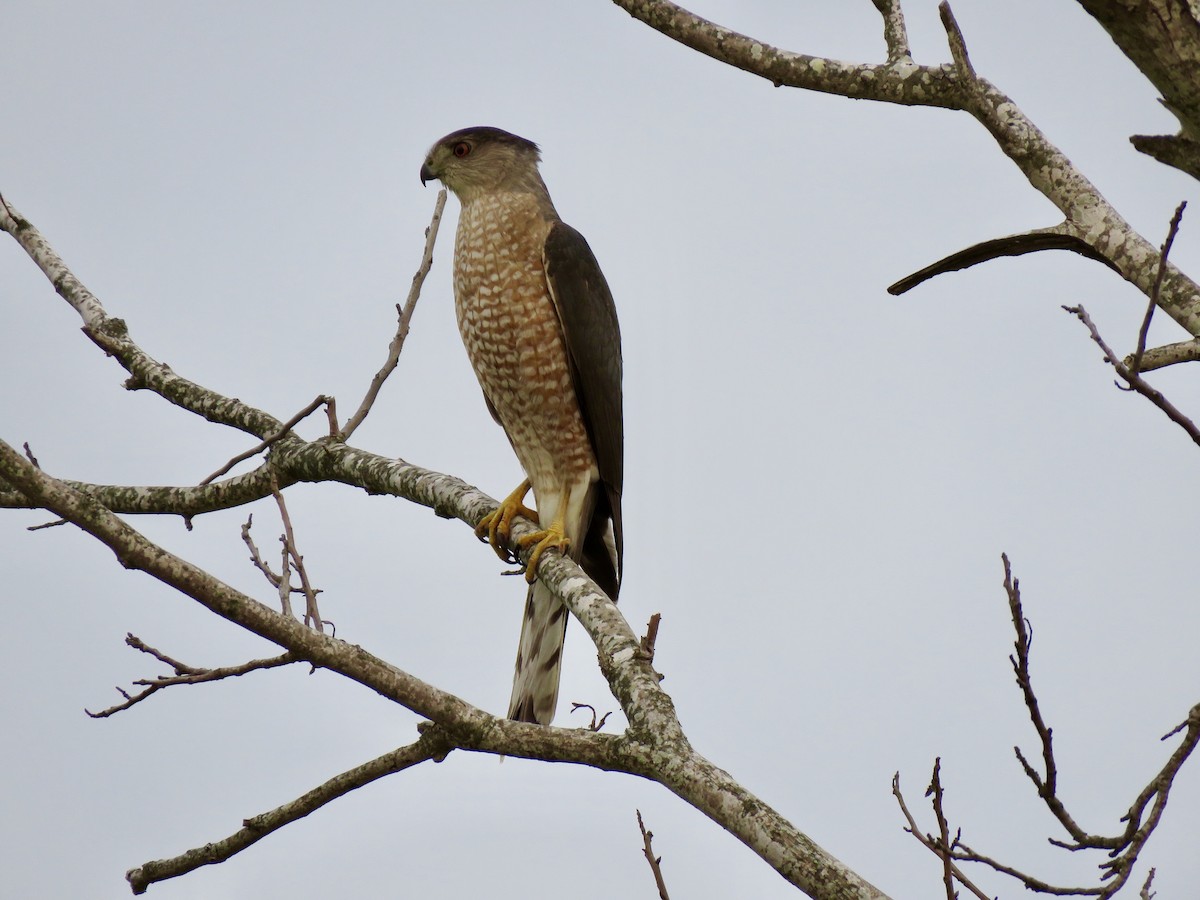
(958, 47)
(1173, 150)
(1145, 893)
(1134, 380)
(1010, 245)
(1135, 365)
(895, 34)
(1047, 785)
(405, 314)
(431, 745)
(1167, 355)
(292, 559)
(650, 638)
(184, 674)
(270, 439)
(597, 723)
(654, 861)
(1122, 851)
(931, 843)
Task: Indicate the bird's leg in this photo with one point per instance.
(554, 537)
(496, 526)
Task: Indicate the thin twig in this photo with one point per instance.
(1145, 893)
(405, 317)
(935, 790)
(1141, 820)
(285, 578)
(928, 841)
(181, 668)
(184, 674)
(312, 616)
(1134, 380)
(655, 861)
(269, 439)
(1135, 365)
(53, 524)
(255, 556)
(596, 724)
(1047, 786)
(33, 459)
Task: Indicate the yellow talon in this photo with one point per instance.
(496, 526)
(552, 538)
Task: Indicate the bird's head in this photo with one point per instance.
(474, 161)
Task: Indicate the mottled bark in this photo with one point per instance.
(1161, 38)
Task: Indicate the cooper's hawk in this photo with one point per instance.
(541, 331)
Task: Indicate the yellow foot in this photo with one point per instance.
(551, 538)
(496, 526)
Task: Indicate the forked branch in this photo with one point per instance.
(1121, 851)
(1088, 219)
(184, 674)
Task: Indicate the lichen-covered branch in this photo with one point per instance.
(431, 745)
(654, 746)
(1087, 215)
(112, 336)
(1161, 38)
(189, 500)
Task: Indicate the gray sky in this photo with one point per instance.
(820, 477)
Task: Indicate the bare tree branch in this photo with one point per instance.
(1145, 893)
(653, 747)
(184, 674)
(597, 723)
(1047, 786)
(1168, 355)
(293, 559)
(112, 336)
(431, 745)
(186, 500)
(1141, 820)
(1088, 217)
(270, 438)
(1136, 382)
(931, 843)
(958, 49)
(1136, 365)
(1161, 38)
(654, 732)
(895, 34)
(1012, 245)
(654, 861)
(646, 646)
(1173, 150)
(405, 317)
(935, 790)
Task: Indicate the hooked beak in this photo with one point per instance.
(426, 173)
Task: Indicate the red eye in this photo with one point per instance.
(461, 149)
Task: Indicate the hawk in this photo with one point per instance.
(540, 328)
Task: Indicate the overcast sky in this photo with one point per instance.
(820, 477)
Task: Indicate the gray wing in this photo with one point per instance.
(589, 322)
